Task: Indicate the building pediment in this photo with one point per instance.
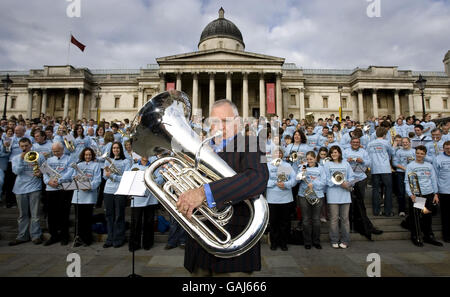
(220, 56)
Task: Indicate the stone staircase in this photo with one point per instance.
(390, 225)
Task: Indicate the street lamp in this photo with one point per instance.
(340, 103)
(97, 89)
(7, 82)
(421, 82)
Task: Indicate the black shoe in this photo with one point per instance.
(377, 231)
(50, 241)
(182, 246)
(64, 241)
(17, 242)
(432, 241)
(417, 242)
(369, 237)
(37, 240)
(284, 248)
(118, 245)
(318, 246)
(147, 247)
(273, 247)
(107, 245)
(307, 246)
(78, 243)
(169, 247)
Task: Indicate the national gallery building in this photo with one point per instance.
(259, 84)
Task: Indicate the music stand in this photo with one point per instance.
(132, 275)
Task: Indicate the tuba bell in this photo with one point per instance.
(163, 123)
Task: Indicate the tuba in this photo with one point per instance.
(163, 122)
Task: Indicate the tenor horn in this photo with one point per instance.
(163, 123)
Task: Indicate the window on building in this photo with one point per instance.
(445, 103)
(13, 102)
(427, 103)
(135, 103)
(116, 102)
(293, 101)
(325, 102)
(306, 101)
(344, 102)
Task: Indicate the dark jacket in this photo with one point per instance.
(249, 182)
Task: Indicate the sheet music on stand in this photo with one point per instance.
(132, 184)
(76, 185)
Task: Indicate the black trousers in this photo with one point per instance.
(59, 203)
(425, 220)
(279, 223)
(10, 179)
(100, 192)
(84, 221)
(142, 227)
(358, 215)
(444, 201)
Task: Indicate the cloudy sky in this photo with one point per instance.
(410, 34)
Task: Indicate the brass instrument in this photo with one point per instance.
(97, 150)
(112, 168)
(414, 186)
(55, 175)
(32, 157)
(409, 159)
(8, 147)
(338, 178)
(366, 129)
(69, 144)
(436, 148)
(393, 133)
(309, 118)
(81, 175)
(163, 122)
(276, 162)
(281, 177)
(310, 194)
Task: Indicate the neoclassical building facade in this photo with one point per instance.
(258, 84)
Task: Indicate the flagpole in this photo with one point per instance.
(68, 49)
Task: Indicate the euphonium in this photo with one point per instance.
(414, 186)
(32, 157)
(163, 122)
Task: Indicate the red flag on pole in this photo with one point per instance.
(77, 43)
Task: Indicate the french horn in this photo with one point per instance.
(163, 123)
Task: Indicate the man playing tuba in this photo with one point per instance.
(250, 181)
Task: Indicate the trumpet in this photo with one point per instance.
(32, 157)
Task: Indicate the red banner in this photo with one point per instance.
(270, 97)
(77, 43)
(170, 86)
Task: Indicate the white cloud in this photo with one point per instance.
(313, 34)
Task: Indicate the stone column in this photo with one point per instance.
(262, 95)
(375, 102)
(279, 97)
(66, 103)
(354, 101)
(229, 93)
(212, 90)
(245, 95)
(178, 86)
(44, 101)
(285, 95)
(410, 102)
(195, 92)
(396, 103)
(162, 82)
(80, 104)
(360, 105)
(30, 103)
(302, 103)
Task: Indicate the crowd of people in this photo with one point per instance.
(318, 170)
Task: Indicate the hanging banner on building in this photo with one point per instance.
(270, 90)
(170, 86)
